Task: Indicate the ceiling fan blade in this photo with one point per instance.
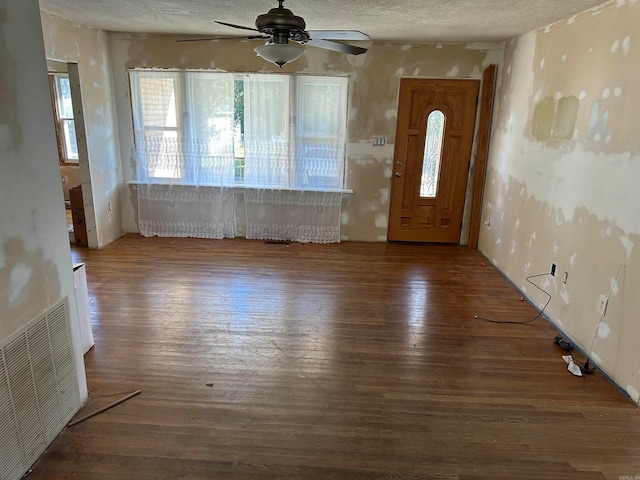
(337, 35)
(336, 46)
(237, 26)
(206, 39)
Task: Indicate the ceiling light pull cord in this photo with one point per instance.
(513, 322)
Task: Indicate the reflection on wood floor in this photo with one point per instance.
(350, 361)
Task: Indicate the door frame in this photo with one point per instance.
(483, 136)
(84, 164)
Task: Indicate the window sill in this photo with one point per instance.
(240, 188)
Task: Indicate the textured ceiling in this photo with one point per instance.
(400, 20)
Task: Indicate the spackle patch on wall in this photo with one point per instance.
(564, 294)
(18, 281)
(633, 393)
(543, 118)
(615, 289)
(454, 72)
(628, 245)
(28, 282)
(615, 45)
(381, 221)
(572, 259)
(626, 45)
(566, 117)
(604, 330)
(384, 196)
(594, 120)
(365, 161)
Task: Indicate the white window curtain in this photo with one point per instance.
(294, 157)
(184, 125)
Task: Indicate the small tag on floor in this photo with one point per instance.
(572, 367)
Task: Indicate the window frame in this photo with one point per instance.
(64, 155)
(294, 82)
(138, 116)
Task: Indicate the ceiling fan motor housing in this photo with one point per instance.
(281, 20)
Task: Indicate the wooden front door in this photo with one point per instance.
(434, 135)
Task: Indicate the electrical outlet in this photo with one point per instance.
(602, 305)
(553, 269)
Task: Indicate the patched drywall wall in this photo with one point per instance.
(100, 167)
(373, 93)
(35, 259)
(563, 174)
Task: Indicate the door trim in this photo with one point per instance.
(480, 166)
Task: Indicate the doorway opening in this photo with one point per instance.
(60, 85)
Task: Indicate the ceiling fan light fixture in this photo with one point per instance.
(279, 53)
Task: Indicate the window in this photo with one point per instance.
(63, 111)
(432, 154)
(258, 130)
(183, 127)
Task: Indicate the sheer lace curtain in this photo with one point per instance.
(294, 157)
(184, 127)
(294, 137)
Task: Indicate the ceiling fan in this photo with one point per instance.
(280, 25)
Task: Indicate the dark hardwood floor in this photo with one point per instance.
(350, 361)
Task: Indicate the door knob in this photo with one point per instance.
(398, 174)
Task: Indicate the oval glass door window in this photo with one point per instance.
(432, 155)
